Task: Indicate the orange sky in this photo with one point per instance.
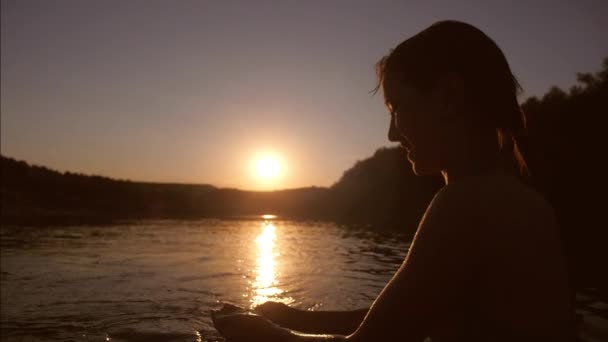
(191, 91)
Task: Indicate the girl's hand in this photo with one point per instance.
(245, 326)
(276, 312)
(228, 308)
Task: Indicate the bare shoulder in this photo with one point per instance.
(515, 215)
(499, 200)
(498, 191)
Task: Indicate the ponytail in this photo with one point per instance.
(509, 144)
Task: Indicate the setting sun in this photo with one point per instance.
(268, 169)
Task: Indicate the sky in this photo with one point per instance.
(197, 91)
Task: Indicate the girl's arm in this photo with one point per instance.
(434, 278)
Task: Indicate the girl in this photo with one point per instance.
(485, 263)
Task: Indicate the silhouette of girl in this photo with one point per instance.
(485, 263)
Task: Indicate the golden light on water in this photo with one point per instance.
(265, 286)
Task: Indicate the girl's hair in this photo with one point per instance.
(490, 89)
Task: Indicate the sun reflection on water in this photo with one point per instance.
(265, 286)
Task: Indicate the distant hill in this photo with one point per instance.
(383, 190)
(35, 194)
(379, 191)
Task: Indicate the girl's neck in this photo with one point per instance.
(476, 166)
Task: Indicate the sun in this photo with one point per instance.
(268, 170)
(267, 167)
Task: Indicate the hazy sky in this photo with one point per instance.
(192, 91)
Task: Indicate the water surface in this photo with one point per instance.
(157, 280)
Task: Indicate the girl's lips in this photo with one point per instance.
(406, 147)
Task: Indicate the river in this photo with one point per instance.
(158, 280)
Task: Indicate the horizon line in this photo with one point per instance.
(33, 164)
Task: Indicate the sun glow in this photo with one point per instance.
(268, 169)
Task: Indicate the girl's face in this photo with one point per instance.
(420, 122)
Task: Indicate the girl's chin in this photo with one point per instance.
(411, 156)
(420, 169)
